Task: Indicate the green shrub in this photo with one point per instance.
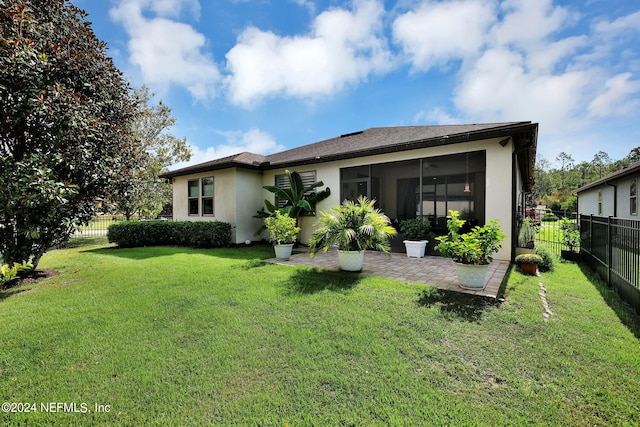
(549, 217)
(8, 273)
(206, 234)
(548, 259)
(416, 228)
(282, 228)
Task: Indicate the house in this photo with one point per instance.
(614, 195)
(409, 170)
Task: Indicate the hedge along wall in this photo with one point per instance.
(131, 234)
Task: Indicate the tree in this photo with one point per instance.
(139, 190)
(566, 164)
(65, 125)
(602, 162)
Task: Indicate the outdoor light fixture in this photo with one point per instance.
(467, 187)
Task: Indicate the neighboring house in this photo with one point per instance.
(409, 170)
(614, 195)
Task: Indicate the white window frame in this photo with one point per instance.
(201, 198)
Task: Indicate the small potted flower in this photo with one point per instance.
(282, 232)
(528, 263)
(416, 230)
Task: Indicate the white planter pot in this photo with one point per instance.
(415, 248)
(283, 251)
(470, 276)
(351, 260)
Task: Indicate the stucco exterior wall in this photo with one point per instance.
(248, 200)
(498, 181)
(237, 198)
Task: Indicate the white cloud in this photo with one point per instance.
(498, 87)
(253, 141)
(436, 33)
(436, 115)
(527, 23)
(618, 97)
(620, 26)
(343, 47)
(528, 61)
(165, 51)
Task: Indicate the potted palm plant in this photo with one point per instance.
(416, 230)
(354, 228)
(472, 252)
(282, 232)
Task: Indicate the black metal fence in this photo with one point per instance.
(611, 247)
(548, 232)
(99, 225)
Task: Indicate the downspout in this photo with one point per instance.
(514, 199)
(615, 199)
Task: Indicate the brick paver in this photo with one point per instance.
(435, 271)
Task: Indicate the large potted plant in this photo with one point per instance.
(472, 252)
(282, 232)
(354, 228)
(416, 230)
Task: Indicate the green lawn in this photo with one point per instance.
(175, 336)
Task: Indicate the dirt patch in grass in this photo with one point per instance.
(30, 278)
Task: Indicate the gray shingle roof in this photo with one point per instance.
(370, 141)
(621, 173)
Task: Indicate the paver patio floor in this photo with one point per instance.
(439, 272)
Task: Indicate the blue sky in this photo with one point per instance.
(264, 76)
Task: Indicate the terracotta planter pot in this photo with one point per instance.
(529, 268)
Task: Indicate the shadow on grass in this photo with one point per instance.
(312, 280)
(623, 310)
(246, 253)
(466, 307)
(6, 293)
(78, 242)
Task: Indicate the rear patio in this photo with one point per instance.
(438, 272)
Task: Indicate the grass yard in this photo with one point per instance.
(175, 336)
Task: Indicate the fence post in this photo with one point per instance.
(590, 234)
(609, 250)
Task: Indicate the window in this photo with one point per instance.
(207, 196)
(193, 197)
(200, 196)
(599, 202)
(633, 197)
(308, 178)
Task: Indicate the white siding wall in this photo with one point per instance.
(588, 199)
